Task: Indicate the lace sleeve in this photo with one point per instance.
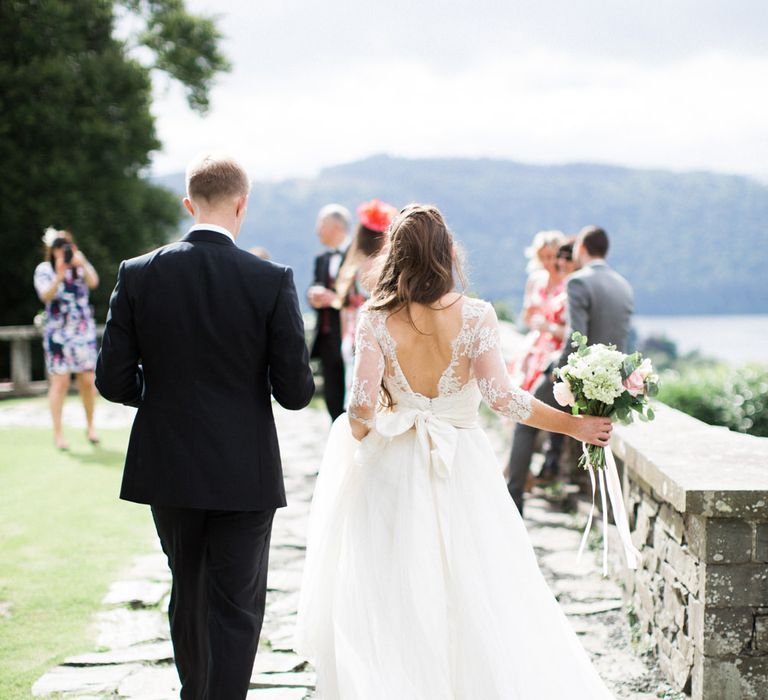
(490, 370)
(369, 369)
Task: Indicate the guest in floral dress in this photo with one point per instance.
(62, 282)
(543, 308)
(353, 284)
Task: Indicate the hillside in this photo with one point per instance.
(690, 243)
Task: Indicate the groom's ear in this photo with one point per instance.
(241, 205)
(189, 206)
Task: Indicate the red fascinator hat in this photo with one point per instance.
(376, 215)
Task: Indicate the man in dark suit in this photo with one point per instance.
(333, 222)
(199, 334)
(599, 305)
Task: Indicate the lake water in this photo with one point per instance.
(733, 339)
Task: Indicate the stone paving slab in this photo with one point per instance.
(133, 660)
(279, 694)
(283, 680)
(81, 681)
(125, 627)
(136, 594)
(161, 683)
(142, 653)
(272, 662)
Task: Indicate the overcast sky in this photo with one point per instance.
(679, 84)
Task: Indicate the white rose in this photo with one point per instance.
(563, 394)
(645, 368)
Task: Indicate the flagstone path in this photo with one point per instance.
(133, 655)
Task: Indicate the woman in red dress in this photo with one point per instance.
(543, 307)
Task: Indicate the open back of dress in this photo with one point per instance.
(476, 360)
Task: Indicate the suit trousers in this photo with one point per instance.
(523, 440)
(218, 560)
(328, 349)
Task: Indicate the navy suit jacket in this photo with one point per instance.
(199, 334)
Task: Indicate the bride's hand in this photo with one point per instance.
(359, 430)
(594, 430)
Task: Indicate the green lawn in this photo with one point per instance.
(64, 536)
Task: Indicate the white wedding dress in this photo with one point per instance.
(420, 582)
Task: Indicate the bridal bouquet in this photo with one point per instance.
(598, 380)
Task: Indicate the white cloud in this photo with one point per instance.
(701, 110)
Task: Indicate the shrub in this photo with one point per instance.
(736, 397)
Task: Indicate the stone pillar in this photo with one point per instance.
(729, 622)
(697, 498)
(21, 364)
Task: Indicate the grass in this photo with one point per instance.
(64, 536)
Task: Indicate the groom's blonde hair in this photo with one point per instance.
(214, 176)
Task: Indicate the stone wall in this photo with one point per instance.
(697, 498)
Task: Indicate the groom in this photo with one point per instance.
(199, 333)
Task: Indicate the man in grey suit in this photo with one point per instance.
(600, 304)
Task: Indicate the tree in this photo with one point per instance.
(76, 132)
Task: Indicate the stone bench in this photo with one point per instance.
(697, 498)
(21, 339)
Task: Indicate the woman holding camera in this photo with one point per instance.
(62, 282)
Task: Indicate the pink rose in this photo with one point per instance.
(563, 394)
(634, 383)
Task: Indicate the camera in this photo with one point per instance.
(68, 253)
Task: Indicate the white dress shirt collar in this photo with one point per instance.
(212, 227)
(342, 247)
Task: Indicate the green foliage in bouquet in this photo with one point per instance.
(598, 380)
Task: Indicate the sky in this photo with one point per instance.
(675, 84)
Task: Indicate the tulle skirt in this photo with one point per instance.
(424, 586)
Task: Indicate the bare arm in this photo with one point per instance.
(50, 292)
(591, 429)
(89, 272)
(48, 277)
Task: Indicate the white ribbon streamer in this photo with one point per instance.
(592, 508)
(601, 478)
(631, 552)
(609, 480)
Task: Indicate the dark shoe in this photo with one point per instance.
(545, 478)
(549, 471)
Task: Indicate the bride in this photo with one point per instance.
(420, 582)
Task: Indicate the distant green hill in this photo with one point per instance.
(689, 243)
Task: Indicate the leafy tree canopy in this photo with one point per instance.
(77, 133)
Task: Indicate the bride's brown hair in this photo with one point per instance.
(419, 264)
